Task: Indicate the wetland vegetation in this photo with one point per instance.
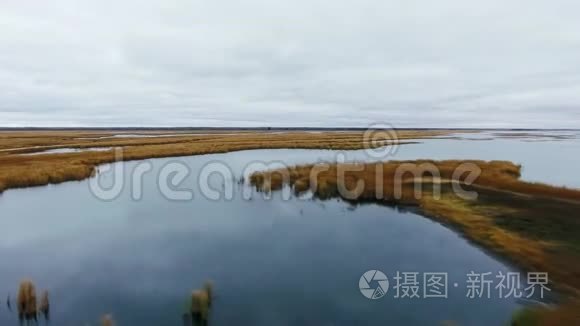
(18, 171)
(534, 225)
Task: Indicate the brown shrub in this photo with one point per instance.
(26, 298)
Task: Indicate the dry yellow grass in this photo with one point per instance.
(26, 300)
(534, 225)
(24, 171)
(22, 141)
(530, 254)
(201, 302)
(491, 221)
(498, 175)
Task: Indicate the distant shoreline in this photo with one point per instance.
(264, 129)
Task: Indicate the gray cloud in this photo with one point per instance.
(301, 63)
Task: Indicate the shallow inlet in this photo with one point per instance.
(69, 150)
(273, 261)
(167, 135)
(147, 135)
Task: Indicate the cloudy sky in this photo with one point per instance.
(456, 63)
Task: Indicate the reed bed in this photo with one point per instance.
(17, 171)
(535, 226)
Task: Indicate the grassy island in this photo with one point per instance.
(535, 226)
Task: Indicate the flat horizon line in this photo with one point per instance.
(275, 128)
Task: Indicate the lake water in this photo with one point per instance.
(69, 150)
(273, 261)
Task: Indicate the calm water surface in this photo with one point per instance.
(273, 261)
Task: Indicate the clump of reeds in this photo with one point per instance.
(44, 306)
(27, 308)
(208, 287)
(200, 306)
(43, 174)
(201, 302)
(107, 320)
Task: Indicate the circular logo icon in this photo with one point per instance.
(381, 140)
(373, 284)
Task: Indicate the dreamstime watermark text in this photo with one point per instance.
(216, 180)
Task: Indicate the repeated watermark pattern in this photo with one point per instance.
(426, 285)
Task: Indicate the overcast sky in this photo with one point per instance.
(456, 63)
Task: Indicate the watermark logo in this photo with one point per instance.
(373, 284)
(380, 141)
(408, 285)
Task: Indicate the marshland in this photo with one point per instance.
(297, 260)
(82, 151)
